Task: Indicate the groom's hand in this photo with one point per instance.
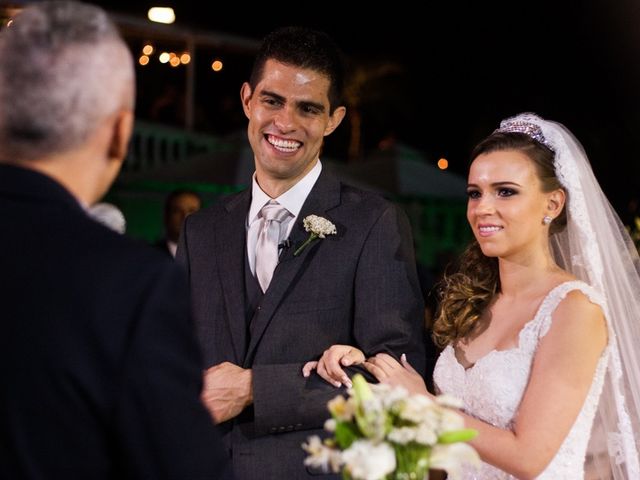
(227, 390)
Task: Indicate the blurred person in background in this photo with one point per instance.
(178, 205)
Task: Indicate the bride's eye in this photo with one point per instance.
(473, 194)
(506, 192)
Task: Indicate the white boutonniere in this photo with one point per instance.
(318, 227)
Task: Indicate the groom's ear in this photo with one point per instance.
(245, 96)
(555, 202)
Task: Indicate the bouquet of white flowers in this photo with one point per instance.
(381, 432)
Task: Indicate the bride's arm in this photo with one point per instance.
(562, 373)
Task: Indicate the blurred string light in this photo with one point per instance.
(172, 58)
(443, 164)
(161, 15)
(217, 65)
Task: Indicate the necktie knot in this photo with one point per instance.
(274, 212)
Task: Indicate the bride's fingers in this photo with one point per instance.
(322, 371)
(331, 360)
(375, 370)
(353, 357)
(406, 364)
(308, 368)
(387, 360)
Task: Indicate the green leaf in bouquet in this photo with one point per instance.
(454, 436)
(362, 390)
(412, 461)
(346, 434)
(373, 423)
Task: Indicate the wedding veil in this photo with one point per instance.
(597, 249)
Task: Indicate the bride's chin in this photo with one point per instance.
(487, 251)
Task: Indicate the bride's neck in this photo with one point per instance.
(521, 277)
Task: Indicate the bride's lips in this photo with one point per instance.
(487, 230)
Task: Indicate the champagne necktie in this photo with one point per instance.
(272, 215)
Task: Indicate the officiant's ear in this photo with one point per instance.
(555, 202)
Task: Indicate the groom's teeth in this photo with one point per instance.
(284, 145)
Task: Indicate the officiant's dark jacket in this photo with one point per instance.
(100, 370)
(357, 287)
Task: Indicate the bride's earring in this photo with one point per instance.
(547, 219)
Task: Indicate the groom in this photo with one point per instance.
(264, 304)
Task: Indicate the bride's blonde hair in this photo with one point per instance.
(465, 294)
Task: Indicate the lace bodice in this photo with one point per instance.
(491, 389)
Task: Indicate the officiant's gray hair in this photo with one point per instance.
(64, 68)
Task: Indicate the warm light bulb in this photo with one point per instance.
(162, 15)
(164, 57)
(443, 164)
(147, 49)
(143, 60)
(185, 58)
(216, 66)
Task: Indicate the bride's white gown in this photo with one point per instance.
(492, 388)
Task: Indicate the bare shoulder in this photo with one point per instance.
(578, 315)
(578, 302)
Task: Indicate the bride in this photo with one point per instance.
(540, 324)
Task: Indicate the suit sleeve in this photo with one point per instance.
(162, 428)
(389, 307)
(388, 317)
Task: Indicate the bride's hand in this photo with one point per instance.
(329, 367)
(388, 370)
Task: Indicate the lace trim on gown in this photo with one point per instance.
(493, 387)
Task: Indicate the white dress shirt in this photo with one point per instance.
(292, 200)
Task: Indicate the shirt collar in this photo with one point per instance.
(292, 199)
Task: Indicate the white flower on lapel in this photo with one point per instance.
(318, 227)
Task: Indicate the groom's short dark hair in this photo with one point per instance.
(306, 48)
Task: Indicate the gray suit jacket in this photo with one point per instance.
(357, 287)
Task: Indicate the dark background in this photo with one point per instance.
(440, 80)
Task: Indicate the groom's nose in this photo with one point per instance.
(285, 119)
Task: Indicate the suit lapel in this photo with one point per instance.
(324, 196)
(230, 251)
